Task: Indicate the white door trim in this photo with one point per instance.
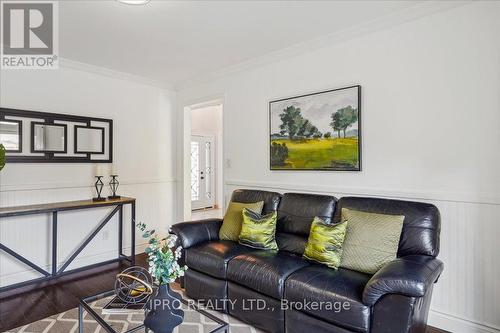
(184, 166)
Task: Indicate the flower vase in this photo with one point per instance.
(165, 311)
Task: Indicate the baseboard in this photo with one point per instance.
(457, 325)
(26, 275)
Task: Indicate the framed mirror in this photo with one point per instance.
(89, 140)
(11, 135)
(48, 138)
(55, 137)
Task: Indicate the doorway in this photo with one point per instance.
(204, 156)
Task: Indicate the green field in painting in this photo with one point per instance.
(331, 153)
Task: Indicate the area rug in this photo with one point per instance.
(67, 322)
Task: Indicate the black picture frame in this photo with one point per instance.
(359, 155)
(57, 157)
(64, 126)
(75, 141)
(20, 134)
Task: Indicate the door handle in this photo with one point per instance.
(202, 177)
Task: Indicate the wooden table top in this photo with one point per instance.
(61, 206)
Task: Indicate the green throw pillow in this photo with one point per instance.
(231, 225)
(372, 240)
(325, 242)
(259, 231)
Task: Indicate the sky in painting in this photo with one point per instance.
(316, 108)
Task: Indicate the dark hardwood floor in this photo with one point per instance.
(28, 304)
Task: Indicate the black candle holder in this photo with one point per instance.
(98, 187)
(113, 185)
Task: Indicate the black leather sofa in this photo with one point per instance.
(395, 299)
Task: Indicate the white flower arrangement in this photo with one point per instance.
(163, 256)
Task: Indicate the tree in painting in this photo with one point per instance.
(343, 119)
(291, 121)
(316, 132)
(295, 126)
(279, 153)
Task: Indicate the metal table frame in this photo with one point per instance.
(54, 209)
(85, 306)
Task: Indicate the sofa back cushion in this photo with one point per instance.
(271, 199)
(295, 215)
(421, 225)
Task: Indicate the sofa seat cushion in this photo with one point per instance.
(212, 258)
(264, 271)
(329, 288)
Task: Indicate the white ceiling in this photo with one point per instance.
(175, 41)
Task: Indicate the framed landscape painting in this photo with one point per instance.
(319, 131)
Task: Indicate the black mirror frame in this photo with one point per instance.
(20, 134)
(33, 150)
(75, 141)
(49, 119)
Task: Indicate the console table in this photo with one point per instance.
(54, 208)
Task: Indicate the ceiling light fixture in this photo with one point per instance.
(134, 2)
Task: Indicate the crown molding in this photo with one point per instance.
(422, 9)
(111, 73)
(76, 65)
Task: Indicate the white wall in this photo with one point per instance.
(207, 121)
(144, 151)
(431, 114)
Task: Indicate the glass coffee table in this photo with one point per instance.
(90, 317)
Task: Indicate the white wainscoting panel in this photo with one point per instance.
(31, 235)
(466, 298)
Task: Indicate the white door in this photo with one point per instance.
(202, 172)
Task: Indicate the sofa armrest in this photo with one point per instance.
(410, 276)
(197, 232)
